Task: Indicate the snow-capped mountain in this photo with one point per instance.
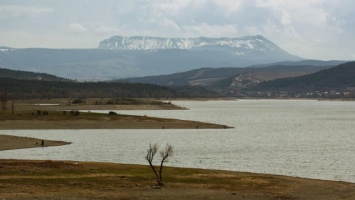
(121, 57)
(239, 46)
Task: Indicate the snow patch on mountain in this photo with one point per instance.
(239, 46)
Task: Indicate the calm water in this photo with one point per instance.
(304, 138)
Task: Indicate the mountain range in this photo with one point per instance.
(239, 46)
(122, 57)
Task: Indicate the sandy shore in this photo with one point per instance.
(9, 142)
(102, 121)
(57, 114)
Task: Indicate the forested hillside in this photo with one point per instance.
(60, 89)
(18, 74)
(336, 80)
(212, 77)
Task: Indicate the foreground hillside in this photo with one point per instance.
(23, 179)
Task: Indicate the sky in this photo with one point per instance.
(311, 29)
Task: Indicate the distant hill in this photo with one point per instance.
(214, 77)
(120, 57)
(255, 76)
(24, 75)
(336, 78)
(320, 63)
(201, 77)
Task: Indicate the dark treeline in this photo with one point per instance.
(18, 74)
(21, 89)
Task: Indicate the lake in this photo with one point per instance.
(302, 138)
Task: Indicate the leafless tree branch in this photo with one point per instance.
(165, 154)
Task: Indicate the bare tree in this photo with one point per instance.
(165, 154)
(150, 156)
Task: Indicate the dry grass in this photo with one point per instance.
(77, 180)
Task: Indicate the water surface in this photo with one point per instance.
(304, 138)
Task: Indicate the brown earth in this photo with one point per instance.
(56, 120)
(32, 114)
(8, 142)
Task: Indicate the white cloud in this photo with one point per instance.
(77, 28)
(208, 30)
(17, 11)
(285, 19)
(169, 24)
(229, 7)
(105, 30)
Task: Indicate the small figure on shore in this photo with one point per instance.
(42, 143)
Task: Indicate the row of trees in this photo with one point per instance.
(59, 89)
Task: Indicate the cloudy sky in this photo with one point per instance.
(315, 29)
